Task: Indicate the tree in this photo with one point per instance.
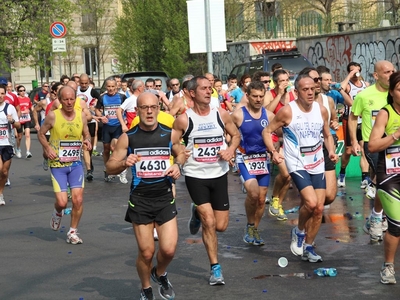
(98, 20)
(24, 31)
(153, 35)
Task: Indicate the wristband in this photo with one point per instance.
(394, 137)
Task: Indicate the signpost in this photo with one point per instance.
(58, 30)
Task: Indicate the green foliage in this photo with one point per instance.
(153, 35)
(24, 30)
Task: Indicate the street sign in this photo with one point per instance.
(59, 45)
(58, 30)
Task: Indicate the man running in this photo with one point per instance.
(252, 158)
(151, 202)
(302, 122)
(68, 132)
(206, 169)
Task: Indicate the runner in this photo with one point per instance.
(68, 127)
(252, 158)
(202, 129)
(151, 202)
(302, 122)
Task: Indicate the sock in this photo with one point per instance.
(59, 214)
(364, 175)
(250, 225)
(307, 245)
(94, 148)
(212, 265)
(72, 229)
(343, 171)
(299, 231)
(376, 214)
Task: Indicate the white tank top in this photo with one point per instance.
(205, 137)
(302, 143)
(325, 102)
(354, 90)
(87, 97)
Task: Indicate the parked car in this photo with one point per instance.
(291, 61)
(142, 76)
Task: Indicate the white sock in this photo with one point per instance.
(299, 231)
(376, 214)
(72, 229)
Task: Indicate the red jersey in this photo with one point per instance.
(25, 105)
(12, 99)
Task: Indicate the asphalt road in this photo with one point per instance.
(37, 263)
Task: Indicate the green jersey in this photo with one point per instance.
(367, 105)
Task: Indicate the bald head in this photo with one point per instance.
(382, 64)
(147, 98)
(72, 84)
(84, 76)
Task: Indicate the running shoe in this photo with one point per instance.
(18, 153)
(55, 220)
(155, 235)
(258, 241)
(216, 277)
(243, 189)
(281, 215)
(341, 181)
(370, 192)
(249, 235)
(296, 246)
(384, 224)
(267, 200)
(28, 154)
(8, 183)
(387, 274)
(89, 175)
(194, 221)
(73, 238)
(274, 207)
(2, 202)
(165, 288)
(365, 182)
(147, 294)
(373, 227)
(95, 153)
(310, 255)
(122, 177)
(45, 164)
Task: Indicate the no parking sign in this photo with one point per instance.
(58, 30)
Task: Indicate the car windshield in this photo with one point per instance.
(293, 64)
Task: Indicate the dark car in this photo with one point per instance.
(291, 61)
(142, 76)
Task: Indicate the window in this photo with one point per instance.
(91, 61)
(265, 15)
(88, 22)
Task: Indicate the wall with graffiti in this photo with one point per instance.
(364, 47)
(239, 52)
(333, 51)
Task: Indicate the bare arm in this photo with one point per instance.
(86, 110)
(175, 105)
(118, 160)
(46, 126)
(232, 130)
(334, 124)
(352, 125)
(121, 119)
(177, 131)
(328, 139)
(376, 142)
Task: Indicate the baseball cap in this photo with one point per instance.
(3, 80)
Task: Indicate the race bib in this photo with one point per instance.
(392, 159)
(374, 113)
(110, 111)
(25, 117)
(256, 164)
(3, 131)
(310, 154)
(206, 149)
(70, 151)
(153, 162)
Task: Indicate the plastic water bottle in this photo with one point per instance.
(326, 272)
(336, 86)
(67, 211)
(292, 210)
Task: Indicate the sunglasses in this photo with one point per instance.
(45, 86)
(158, 85)
(316, 79)
(175, 84)
(266, 81)
(21, 90)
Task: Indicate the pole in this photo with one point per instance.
(59, 62)
(208, 36)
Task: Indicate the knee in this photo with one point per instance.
(146, 255)
(253, 196)
(221, 226)
(167, 253)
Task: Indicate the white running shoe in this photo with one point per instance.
(73, 238)
(18, 153)
(55, 220)
(2, 202)
(155, 234)
(122, 177)
(28, 154)
(8, 183)
(45, 164)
